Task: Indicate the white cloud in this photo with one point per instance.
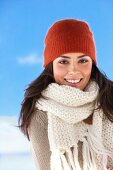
(11, 139)
(30, 60)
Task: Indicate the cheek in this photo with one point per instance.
(87, 71)
(58, 72)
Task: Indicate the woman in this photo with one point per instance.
(67, 112)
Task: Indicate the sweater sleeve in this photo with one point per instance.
(39, 140)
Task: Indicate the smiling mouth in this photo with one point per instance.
(73, 81)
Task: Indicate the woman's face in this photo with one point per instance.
(72, 69)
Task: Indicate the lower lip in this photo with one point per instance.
(77, 85)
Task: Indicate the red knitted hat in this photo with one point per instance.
(66, 36)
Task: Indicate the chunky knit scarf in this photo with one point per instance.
(74, 144)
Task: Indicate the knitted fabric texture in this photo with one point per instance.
(66, 36)
(66, 108)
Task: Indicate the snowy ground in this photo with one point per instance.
(11, 139)
(14, 147)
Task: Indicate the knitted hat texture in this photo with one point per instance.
(68, 36)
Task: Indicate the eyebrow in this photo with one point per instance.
(77, 57)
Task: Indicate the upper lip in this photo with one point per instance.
(73, 80)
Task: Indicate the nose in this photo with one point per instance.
(73, 67)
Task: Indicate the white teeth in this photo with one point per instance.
(73, 81)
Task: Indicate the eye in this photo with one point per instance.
(63, 62)
(83, 61)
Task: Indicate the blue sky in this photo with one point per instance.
(23, 25)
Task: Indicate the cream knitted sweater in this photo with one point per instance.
(38, 133)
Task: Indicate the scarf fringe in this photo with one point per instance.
(88, 157)
(64, 161)
(56, 163)
(93, 145)
(68, 160)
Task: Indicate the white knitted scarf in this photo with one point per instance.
(66, 108)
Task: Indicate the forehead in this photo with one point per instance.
(72, 56)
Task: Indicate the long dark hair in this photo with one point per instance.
(33, 93)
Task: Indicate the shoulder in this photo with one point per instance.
(39, 119)
(38, 125)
